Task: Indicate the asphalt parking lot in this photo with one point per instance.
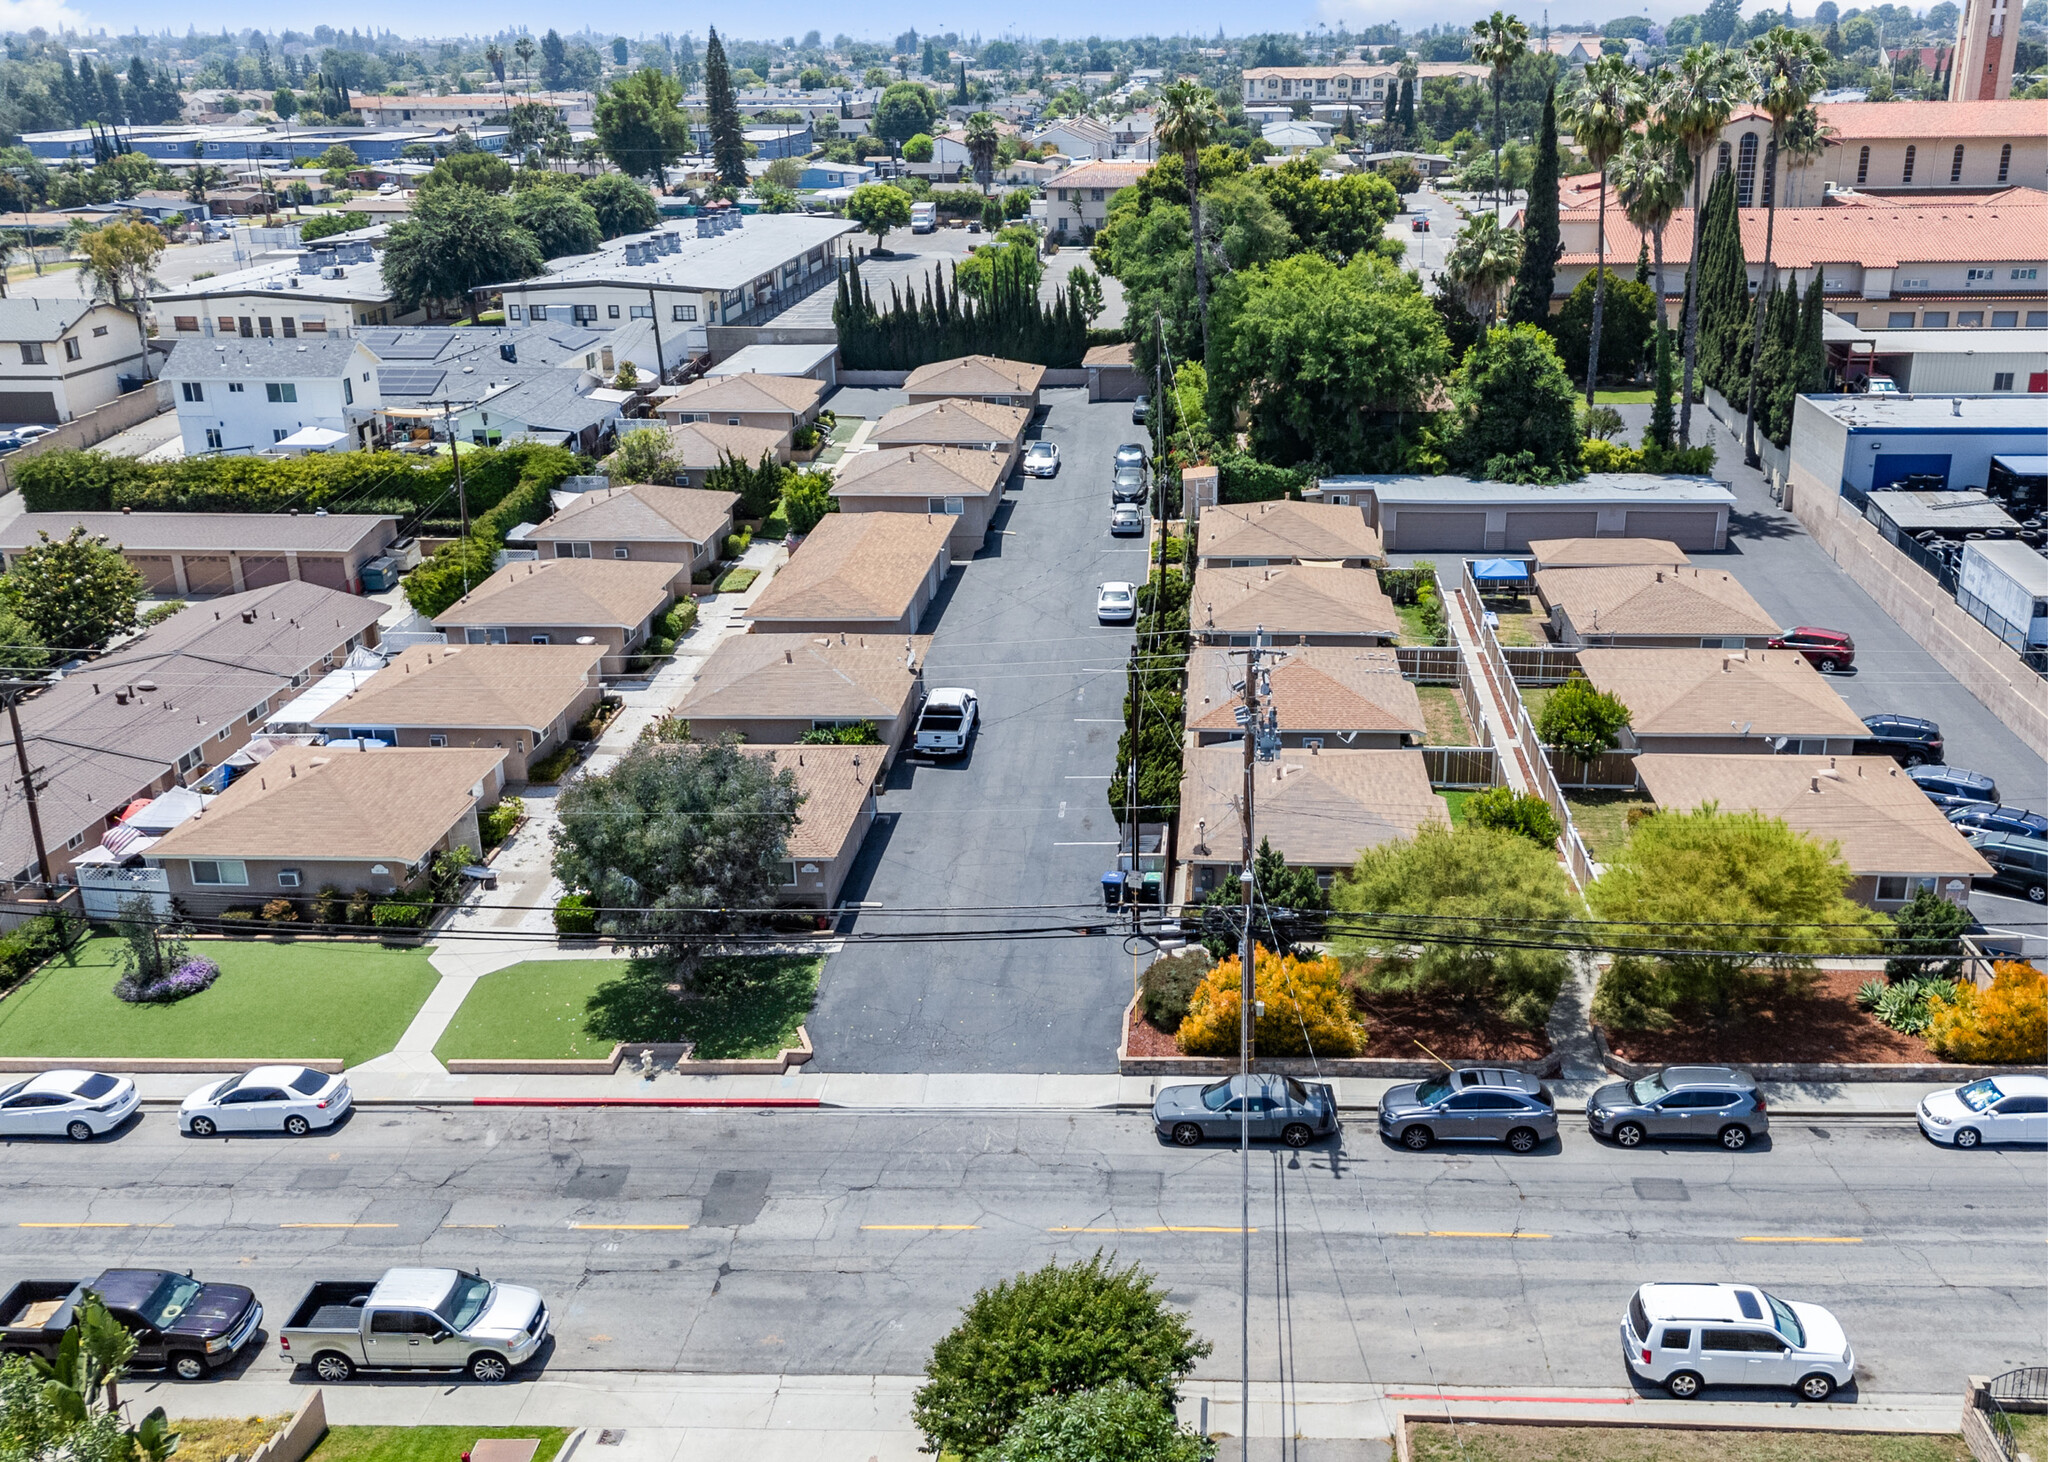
(1021, 823)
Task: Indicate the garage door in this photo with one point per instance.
(1525, 527)
(328, 573)
(28, 408)
(208, 574)
(259, 572)
(1443, 532)
(156, 570)
(1687, 529)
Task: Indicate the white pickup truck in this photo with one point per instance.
(945, 722)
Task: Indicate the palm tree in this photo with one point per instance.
(982, 141)
(1695, 103)
(1498, 42)
(1806, 138)
(1483, 263)
(1601, 111)
(1789, 67)
(494, 57)
(523, 48)
(1189, 120)
(1649, 182)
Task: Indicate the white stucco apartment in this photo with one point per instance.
(235, 395)
(60, 358)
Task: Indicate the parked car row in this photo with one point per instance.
(82, 1105)
(2012, 839)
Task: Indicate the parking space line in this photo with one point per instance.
(95, 1225)
(337, 1225)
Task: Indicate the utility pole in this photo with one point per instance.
(455, 456)
(11, 692)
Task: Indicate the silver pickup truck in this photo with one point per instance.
(415, 1319)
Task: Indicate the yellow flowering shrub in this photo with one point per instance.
(2006, 1023)
(1306, 1004)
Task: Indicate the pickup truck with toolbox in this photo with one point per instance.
(180, 1324)
(415, 1319)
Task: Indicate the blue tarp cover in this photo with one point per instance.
(1500, 568)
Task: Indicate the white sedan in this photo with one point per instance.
(1116, 603)
(289, 1099)
(75, 1104)
(1996, 1109)
(1042, 459)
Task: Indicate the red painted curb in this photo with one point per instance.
(645, 1102)
(1544, 1400)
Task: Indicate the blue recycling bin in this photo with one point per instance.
(1113, 888)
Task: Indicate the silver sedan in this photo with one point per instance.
(1296, 1112)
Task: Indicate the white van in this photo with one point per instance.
(1685, 1336)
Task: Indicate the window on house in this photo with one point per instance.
(620, 552)
(2005, 162)
(611, 312)
(1912, 152)
(2026, 274)
(226, 324)
(2001, 381)
(2004, 319)
(288, 878)
(536, 312)
(1770, 171)
(258, 711)
(2037, 319)
(1955, 167)
(641, 312)
(73, 350)
(514, 312)
(437, 740)
(1970, 319)
(1745, 172)
(1863, 167)
(278, 434)
(280, 391)
(583, 314)
(542, 640)
(191, 759)
(235, 388)
(220, 872)
(245, 327)
(78, 840)
(348, 392)
(263, 326)
(685, 314)
(1935, 320)
(1725, 153)
(192, 390)
(572, 550)
(291, 327)
(186, 323)
(223, 733)
(313, 327)
(31, 352)
(1899, 320)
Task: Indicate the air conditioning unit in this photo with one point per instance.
(334, 271)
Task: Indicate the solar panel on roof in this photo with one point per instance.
(403, 345)
(410, 380)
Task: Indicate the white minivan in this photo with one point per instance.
(1685, 1336)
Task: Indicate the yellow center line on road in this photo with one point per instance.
(337, 1225)
(1157, 1228)
(638, 1227)
(923, 1228)
(1793, 1239)
(1451, 1233)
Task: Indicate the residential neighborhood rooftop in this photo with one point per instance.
(1624, 599)
(1308, 532)
(826, 677)
(975, 375)
(1704, 692)
(202, 532)
(1317, 808)
(472, 685)
(916, 471)
(640, 512)
(564, 591)
(1600, 553)
(950, 422)
(1290, 599)
(835, 783)
(752, 392)
(857, 566)
(1334, 688)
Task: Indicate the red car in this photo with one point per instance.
(1826, 649)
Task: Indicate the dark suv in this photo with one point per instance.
(2019, 866)
(1911, 741)
(1825, 649)
(1717, 1103)
(1948, 787)
(1996, 817)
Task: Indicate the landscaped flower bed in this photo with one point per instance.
(1822, 1023)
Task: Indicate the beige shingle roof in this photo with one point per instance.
(202, 532)
(314, 803)
(1316, 807)
(825, 677)
(564, 591)
(975, 375)
(1315, 688)
(643, 512)
(855, 567)
(748, 391)
(1690, 692)
(1302, 531)
(1880, 817)
(471, 685)
(702, 445)
(1290, 600)
(950, 423)
(1643, 599)
(1600, 553)
(920, 472)
(834, 782)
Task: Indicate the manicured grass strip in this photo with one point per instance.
(1602, 819)
(306, 998)
(425, 1443)
(1413, 630)
(1456, 802)
(1482, 1442)
(735, 581)
(549, 1010)
(1624, 398)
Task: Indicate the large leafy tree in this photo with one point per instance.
(1453, 885)
(1335, 217)
(74, 592)
(1188, 121)
(457, 240)
(877, 208)
(728, 146)
(622, 206)
(1511, 396)
(1062, 1329)
(1601, 111)
(560, 222)
(905, 110)
(1332, 364)
(676, 843)
(1695, 102)
(1537, 277)
(485, 170)
(1726, 906)
(640, 123)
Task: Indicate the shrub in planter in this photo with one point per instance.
(399, 914)
(550, 767)
(498, 822)
(1169, 983)
(281, 911)
(737, 543)
(574, 915)
(1306, 1006)
(361, 905)
(330, 905)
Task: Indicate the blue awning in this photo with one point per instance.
(1487, 570)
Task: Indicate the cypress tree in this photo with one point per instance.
(728, 147)
(1537, 276)
(1724, 294)
(1407, 111)
(1773, 367)
(1663, 419)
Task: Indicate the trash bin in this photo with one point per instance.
(379, 574)
(1113, 889)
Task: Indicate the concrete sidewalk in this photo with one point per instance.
(740, 1418)
(385, 1083)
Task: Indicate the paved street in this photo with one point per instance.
(844, 1244)
(1022, 820)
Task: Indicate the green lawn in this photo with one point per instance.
(578, 1009)
(1535, 697)
(736, 581)
(1624, 398)
(303, 999)
(1456, 801)
(425, 1443)
(1413, 631)
(1602, 819)
(1470, 1442)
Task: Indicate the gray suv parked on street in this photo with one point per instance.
(1717, 1103)
(1482, 1104)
